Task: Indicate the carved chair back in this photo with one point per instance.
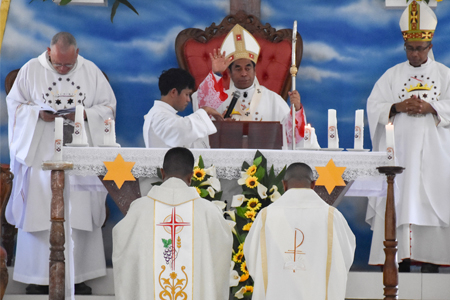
(193, 46)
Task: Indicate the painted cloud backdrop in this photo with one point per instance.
(347, 46)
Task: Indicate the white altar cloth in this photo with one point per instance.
(88, 161)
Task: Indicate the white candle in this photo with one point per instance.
(359, 129)
(79, 124)
(308, 136)
(314, 143)
(57, 155)
(390, 144)
(333, 139)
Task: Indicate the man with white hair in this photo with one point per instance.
(415, 97)
(58, 80)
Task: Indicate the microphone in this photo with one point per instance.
(235, 98)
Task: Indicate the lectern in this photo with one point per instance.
(247, 135)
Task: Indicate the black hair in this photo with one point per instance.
(299, 172)
(178, 162)
(175, 78)
(253, 63)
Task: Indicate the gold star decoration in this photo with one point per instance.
(119, 171)
(330, 176)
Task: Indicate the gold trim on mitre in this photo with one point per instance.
(239, 43)
(418, 22)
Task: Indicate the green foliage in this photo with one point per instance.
(166, 243)
(113, 9)
(266, 181)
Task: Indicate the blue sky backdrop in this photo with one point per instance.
(347, 46)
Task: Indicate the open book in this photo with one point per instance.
(59, 112)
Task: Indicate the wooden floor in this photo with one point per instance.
(361, 285)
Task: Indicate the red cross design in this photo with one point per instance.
(173, 224)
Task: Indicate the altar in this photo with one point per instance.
(361, 175)
(81, 164)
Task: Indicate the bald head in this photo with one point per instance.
(298, 175)
(179, 163)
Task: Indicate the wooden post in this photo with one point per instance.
(252, 7)
(57, 236)
(390, 271)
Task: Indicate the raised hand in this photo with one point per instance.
(218, 61)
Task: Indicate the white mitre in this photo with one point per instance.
(239, 43)
(418, 22)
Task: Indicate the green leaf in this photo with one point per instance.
(113, 9)
(218, 195)
(167, 243)
(245, 166)
(128, 4)
(272, 176)
(203, 193)
(240, 211)
(257, 161)
(251, 193)
(280, 176)
(64, 2)
(201, 165)
(260, 173)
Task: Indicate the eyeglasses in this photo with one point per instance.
(418, 49)
(63, 65)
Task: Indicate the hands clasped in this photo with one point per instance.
(414, 106)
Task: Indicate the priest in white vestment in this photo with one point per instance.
(163, 128)
(239, 53)
(415, 97)
(172, 244)
(59, 79)
(299, 247)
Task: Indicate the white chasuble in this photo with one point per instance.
(299, 248)
(173, 246)
(421, 147)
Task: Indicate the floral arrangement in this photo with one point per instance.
(205, 182)
(259, 189)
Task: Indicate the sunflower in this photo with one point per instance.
(241, 246)
(244, 267)
(252, 170)
(238, 257)
(198, 190)
(244, 277)
(253, 204)
(199, 174)
(247, 226)
(249, 288)
(250, 214)
(251, 182)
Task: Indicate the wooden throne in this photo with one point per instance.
(193, 45)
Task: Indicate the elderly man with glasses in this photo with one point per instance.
(415, 97)
(46, 87)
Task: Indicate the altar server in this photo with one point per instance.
(415, 97)
(58, 79)
(172, 243)
(239, 52)
(299, 247)
(163, 128)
